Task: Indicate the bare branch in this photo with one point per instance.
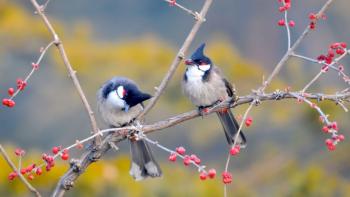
(174, 3)
(69, 67)
(12, 165)
(179, 57)
(94, 154)
(289, 53)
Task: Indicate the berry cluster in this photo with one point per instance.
(286, 5)
(20, 83)
(29, 171)
(192, 159)
(314, 18)
(332, 129)
(338, 48)
(226, 177)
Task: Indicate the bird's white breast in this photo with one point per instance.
(203, 93)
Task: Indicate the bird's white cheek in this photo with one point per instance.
(115, 101)
(194, 73)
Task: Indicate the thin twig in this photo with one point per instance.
(322, 71)
(174, 3)
(34, 68)
(179, 57)
(289, 53)
(92, 155)
(286, 24)
(12, 165)
(69, 67)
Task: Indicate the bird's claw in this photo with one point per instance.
(203, 111)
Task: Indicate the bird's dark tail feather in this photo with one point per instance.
(231, 126)
(143, 164)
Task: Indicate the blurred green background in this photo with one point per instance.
(286, 155)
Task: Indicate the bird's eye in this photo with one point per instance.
(121, 92)
(201, 63)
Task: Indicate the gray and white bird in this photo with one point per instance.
(119, 101)
(204, 84)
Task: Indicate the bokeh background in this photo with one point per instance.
(286, 155)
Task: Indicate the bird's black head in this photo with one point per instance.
(199, 59)
(123, 93)
(134, 96)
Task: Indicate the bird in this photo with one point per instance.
(205, 85)
(119, 101)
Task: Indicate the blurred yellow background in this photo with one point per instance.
(286, 155)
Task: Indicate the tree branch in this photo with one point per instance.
(71, 71)
(94, 154)
(12, 165)
(290, 52)
(179, 57)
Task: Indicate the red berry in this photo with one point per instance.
(8, 102)
(248, 121)
(172, 3)
(325, 68)
(226, 177)
(181, 150)
(331, 147)
(187, 160)
(172, 157)
(38, 171)
(11, 91)
(321, 57)
(48, 168)
(193, 157)
(335, 45)
(235, 150)
(31, 177)
(5, 102)
(65, 156)
(212, 173)
(340, 51)
(329, 142)
(291, 23)
(35, 66)
(56, 149)
(282, 8)
(23, 171)
(281, 22)
(12, 176)
(341, 137)
(203, 176)
(197, 161)
(19, 152)
(30, 168)
(312, 25)
(312, 16)
(343, 44)
(335, 126)
(21, 84)
(11, 103)
(325, 129)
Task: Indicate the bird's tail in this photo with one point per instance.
(231, 126)
(143, 164)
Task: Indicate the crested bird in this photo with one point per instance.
(119, 101)
(205, 85)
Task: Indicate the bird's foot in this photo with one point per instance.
(203, 110)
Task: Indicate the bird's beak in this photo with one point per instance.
(188, 62)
